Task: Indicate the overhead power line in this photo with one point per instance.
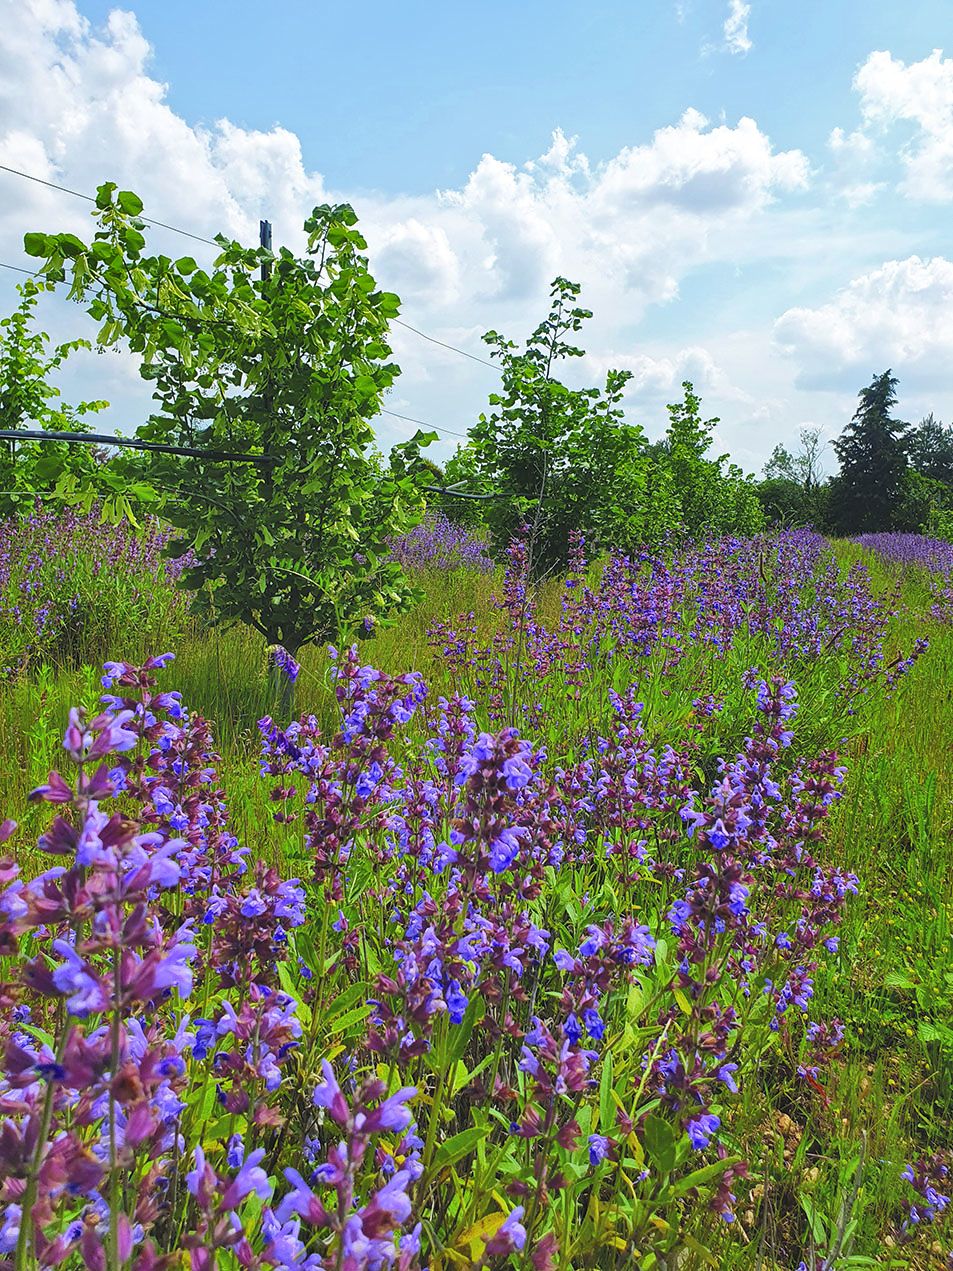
(450, 432)
(453, 348)
(104, 439)
(87, 198)
(30, 272)
(423, 423)
(410, 419)
(199, 238)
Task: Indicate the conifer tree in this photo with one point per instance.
(873, 460)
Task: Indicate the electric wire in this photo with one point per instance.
(410, 419)
(177, 229)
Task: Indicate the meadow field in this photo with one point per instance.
(599, 923)
(476, 687)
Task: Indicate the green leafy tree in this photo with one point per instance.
(463, 472)
(803, 466)
(280, 358)
(701, 496)
(782, 501)
(30, 399)
(687, 441)
(808, 464)
(930, 448)
(922, 503)
(781, 466)
(873, 461)
(792, 491)
(561, 459)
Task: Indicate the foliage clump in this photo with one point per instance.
(30, 399)
(566, 460)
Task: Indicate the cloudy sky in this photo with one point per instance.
(755, 196)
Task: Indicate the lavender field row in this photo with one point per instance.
(602, 923)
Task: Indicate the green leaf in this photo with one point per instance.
(41, 1036)
(35, 244)
(353, 1016)
(815, 1219)
(203, 1100)
(365, 386)
(460, 1145)
(290, 986)
(129, 202)
(658, 1139)
(606, 1102)
(707, 1174)
(700, 1250)
(898, 980)
(71, 246)
(460, 1034)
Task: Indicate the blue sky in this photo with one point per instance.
(406, 97)
(755, 196)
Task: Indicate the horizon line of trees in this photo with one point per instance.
(567, 459)
(287, 359)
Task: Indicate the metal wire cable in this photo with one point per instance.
(176, 229)
(199, 238)
(64, 189)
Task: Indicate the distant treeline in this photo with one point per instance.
(892, 475)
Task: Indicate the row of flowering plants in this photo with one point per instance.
(702, 613)
(933, 555)
(439, 543)
(506, 1016)
(920, 550)
(71, 582)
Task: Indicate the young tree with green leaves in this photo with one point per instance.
(702, 497)
(930, 449)
(803, 466)
(924, 505)
(560, 459)
(927, 495)
(791, 492)
(873, 460)
(282, 359)
(30, 399)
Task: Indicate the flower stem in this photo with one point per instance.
(114, 1070)
(29, 1196)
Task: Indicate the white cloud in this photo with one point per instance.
(898, 315)
(735, 29)
(655, 377)
(78, 105)
(697, 169)
(919, 95)
(854, 157)
(562, 159)
(418, 262)
(514, 227)
(855, 146)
